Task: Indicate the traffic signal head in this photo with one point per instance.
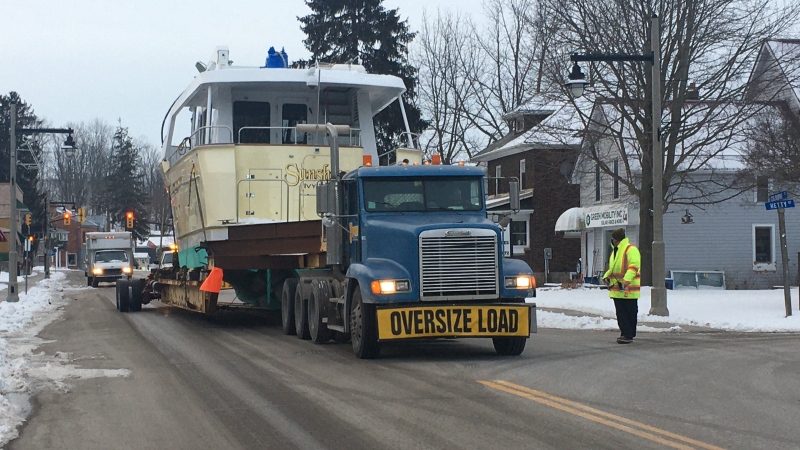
(129, 220)
(27, 219)
(31, 238)
(81, 214)
(67, 217)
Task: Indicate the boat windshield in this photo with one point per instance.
(111, 255)
(422, 194)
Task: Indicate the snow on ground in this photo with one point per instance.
(23, 372)
(742, 311)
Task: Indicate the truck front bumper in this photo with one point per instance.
(455, 320)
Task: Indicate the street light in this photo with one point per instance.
(69, 146)
(577, 82)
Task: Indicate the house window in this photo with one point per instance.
(616, 178)
(597, 182)
(762, 189)
(764, 247)
(497, 175)
(521, 174)
(519, 233)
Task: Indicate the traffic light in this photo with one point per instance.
(27, 219)
(67, 218)
(81, 214)
(31, 238)
(129, 221)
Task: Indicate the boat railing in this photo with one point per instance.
(290, 135)
(211, 135)
(408, 140)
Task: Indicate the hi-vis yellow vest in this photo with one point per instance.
(624, 267)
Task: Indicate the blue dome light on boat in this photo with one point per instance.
(276, 60)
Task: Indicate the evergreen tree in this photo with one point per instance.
(27, 170)
(124, 184)
(362, 31)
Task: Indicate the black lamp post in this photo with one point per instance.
(576, 83)
(69, 149)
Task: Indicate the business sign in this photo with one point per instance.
(783, 195)
(780, 204)
(607, 218)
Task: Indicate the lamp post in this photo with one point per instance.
(69, 149)
(576, 83)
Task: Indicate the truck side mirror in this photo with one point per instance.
(513, 195)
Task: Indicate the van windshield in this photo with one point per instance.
(111, 255)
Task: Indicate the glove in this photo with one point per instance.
(625, 285)
(606, 281)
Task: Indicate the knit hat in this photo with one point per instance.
(618, 234)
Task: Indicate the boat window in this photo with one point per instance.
(254, 118)
(292, 115)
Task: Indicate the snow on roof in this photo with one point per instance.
(787, 55)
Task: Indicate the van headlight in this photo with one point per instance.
(390, 286)
(127, 270)
(97, 271)
(520, 282)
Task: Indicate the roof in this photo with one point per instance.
(563, 127)
(493, 201)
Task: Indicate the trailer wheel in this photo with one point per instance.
(363, 328)
(287, 305)
(509, 346)
(317, 311)
(135, 297)
(301, 314)
(122, 288)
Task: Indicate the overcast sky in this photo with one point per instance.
(77, 60)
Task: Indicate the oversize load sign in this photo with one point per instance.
(445, 321)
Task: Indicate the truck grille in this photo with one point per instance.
(458, 264)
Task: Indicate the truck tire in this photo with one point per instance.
(287, 306)
(116, 295)
(363, 328)
(301, 313)
(509, 346)
(122, 288)
(317, 311)
(135, 298)
(95, 282)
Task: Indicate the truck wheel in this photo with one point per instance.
(95, 282)
(317, 311)
(287, 305)
(135, 297)
(116, 295)
(363, 328)
(509, 346)
(301, 314)
(122, 288)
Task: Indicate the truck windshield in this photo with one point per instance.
(422, 194)
(111, 255)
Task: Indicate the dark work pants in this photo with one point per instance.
(627, 310)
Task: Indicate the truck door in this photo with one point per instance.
(352, 222)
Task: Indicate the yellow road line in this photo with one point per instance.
(598, 416)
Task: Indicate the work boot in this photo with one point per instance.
(624, 340)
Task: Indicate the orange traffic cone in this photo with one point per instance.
(213, 282)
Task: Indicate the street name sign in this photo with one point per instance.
(782, 195)
(780, 204)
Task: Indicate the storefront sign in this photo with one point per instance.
(607, 218)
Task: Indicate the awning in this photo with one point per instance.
(571, 220)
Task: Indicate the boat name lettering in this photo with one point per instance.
(295, 174)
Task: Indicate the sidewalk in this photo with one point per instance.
(664, 325)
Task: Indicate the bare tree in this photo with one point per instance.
(708, 49)
(774, 147)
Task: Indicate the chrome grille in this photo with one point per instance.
(458, 264)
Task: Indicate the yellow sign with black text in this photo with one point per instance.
(447, 321)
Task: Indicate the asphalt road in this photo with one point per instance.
(237, 382)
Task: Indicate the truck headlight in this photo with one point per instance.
(97, 271)
(128, 270)
(520, 282)
(390, 286)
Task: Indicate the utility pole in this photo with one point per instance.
(13, 296)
